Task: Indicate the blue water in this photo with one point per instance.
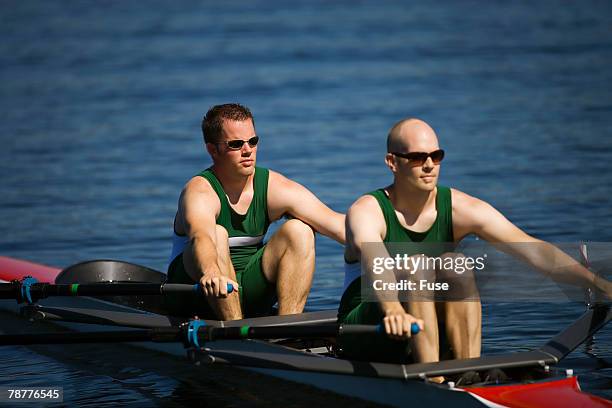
(101, 103)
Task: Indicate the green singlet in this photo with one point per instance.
(246, 233)
(353, 310)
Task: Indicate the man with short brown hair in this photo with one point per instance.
(222, 218)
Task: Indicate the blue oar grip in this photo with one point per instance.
(414, 328)
(197, 288)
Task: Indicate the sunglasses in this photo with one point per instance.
(237, 144)
(419, 158)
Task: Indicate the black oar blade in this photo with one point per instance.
(68, 338)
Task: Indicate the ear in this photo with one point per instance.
(211, 148)
(390, 160)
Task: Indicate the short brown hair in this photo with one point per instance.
(212, 123)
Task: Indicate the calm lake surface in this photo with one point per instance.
(101, 104)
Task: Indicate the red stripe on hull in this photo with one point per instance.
(16, 269)
(559, 393)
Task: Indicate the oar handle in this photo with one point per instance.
(371, 329)
(197, 288)
(414, 328)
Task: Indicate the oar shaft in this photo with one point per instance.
(67, 338)
(305, 331)
(159, 335)
(267, 332)
(180, 334)
(8, 290)
(101, 289)
(43, 290)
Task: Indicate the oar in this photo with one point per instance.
(195, 333)
(28, 290)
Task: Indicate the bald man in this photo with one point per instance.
(414, 208)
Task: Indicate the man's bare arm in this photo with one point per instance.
(472, 215)
(198, 207)
(288, 197)
(365, 223)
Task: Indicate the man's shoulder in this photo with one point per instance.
(272, 174)
(461, 199)
(198, 187)
(198, 182)
(197, 199)
(282, 192)
(278, 180)
(365, 220)
(366, 204)
(469, 210)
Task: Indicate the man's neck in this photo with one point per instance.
(410, 200)
(233, 185)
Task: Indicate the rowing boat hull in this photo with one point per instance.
(343, 377)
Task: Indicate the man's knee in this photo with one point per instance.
(458, 273)
(416, 268)
(298, 235)
(418, 274)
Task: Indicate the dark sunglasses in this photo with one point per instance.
(419, 158)
(237, 143)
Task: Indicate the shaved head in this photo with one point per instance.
(408, 133)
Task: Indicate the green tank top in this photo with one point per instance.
(441, 231)
(246, 231)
